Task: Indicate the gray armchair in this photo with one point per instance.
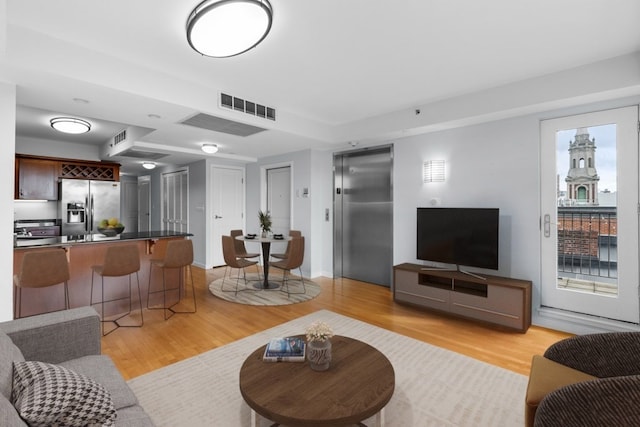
(612, 398)
(71, 339)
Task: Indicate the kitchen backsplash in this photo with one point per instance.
(34, 210)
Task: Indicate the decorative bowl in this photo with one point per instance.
(111, 231)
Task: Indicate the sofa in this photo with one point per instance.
(586, 380)
(62, 347)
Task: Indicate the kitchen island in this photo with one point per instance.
(84, 251)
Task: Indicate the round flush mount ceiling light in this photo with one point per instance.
(224, 28)
(70, 125)
(148, 165)
(209, 148)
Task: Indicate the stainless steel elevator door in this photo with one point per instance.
(363, 209)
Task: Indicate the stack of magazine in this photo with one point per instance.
(288, 349)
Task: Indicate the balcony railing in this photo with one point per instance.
(588, 243)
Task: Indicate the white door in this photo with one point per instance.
(175, 201)
(589, 236)
(144, 203)
(227, 196)
(279, 199)
(129, 205)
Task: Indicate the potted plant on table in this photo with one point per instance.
(265, 222)
(319, 336)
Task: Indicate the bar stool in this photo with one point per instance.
(40, 269)
(118, 261)
(178, 255)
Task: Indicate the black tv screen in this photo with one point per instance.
(461, 236)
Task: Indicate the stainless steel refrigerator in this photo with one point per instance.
(83, 203)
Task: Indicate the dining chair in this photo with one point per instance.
(240, 249)
(294, 260)
(40, 269)
(120, 260)
(285, 255)
(232, 261)
(178, 256)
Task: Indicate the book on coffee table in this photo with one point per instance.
(287, 349)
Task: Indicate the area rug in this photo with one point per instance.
(434, 386)
(265, 297)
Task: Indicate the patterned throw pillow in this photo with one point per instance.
(46, 395)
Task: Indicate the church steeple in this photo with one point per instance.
(582, 178)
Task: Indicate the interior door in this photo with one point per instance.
(175, 201)
(144, 203)
(227, 195)
(279, 198)
(589, 205)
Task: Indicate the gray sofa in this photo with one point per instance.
(70, 339)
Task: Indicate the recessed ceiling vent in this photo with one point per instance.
(249, 107)
(218, 124)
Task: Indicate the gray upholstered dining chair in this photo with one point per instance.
(293, 261)
(233, 261)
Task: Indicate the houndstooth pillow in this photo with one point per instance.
(50, 395)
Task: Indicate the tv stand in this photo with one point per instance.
(490, 299)
(477, 276)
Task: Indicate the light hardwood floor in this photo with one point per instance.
(159, 343)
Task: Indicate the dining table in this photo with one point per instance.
(265, 243)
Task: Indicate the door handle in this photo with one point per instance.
(217, 217)
(547, 225)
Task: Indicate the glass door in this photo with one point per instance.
(589, 178)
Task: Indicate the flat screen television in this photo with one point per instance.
(460, 236)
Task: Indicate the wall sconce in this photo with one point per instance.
(433, 171)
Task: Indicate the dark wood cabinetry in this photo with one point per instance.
(497, 300)
(37, 177)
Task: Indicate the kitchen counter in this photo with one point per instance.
(85, 251)
(54, 241)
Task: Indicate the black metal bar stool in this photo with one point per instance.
(178, 255)
(121, 260)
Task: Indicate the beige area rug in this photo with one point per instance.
(251, 296)
(434, 387)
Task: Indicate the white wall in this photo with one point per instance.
(8, 137)
(309, 170)
(494, 164)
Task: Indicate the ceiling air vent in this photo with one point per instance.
(248, 107)
(120, 137)
(218, 124)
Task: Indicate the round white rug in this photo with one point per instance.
(250, 295)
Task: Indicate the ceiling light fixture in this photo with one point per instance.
(209, 148)
(70, 125)
(224, 28)
(148, 165)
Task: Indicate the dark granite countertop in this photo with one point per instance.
(32, 242)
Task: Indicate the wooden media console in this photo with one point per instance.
(496, 300)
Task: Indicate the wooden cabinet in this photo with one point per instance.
(496, 300)
(36, 179)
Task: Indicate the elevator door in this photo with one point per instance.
(363, 198)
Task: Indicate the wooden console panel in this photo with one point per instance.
(496, 300)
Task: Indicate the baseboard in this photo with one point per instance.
(578, 323)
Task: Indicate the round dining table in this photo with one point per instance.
(265, 242)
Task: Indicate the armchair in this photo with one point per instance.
(592, 380)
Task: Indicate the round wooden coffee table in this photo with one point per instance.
(358, 385)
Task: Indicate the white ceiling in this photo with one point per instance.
(326, 66)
